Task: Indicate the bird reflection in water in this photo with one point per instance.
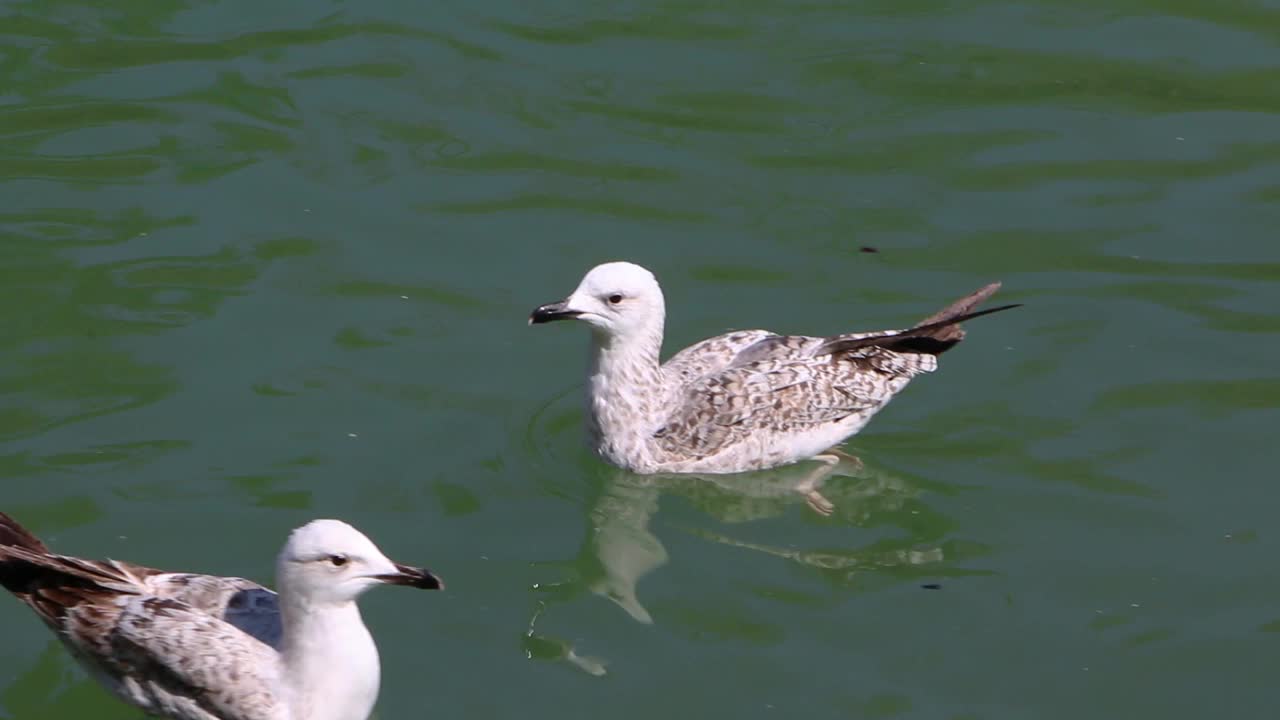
(625, 550)
(621, 548)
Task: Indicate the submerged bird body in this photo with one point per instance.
(202, 647)
(745, 400)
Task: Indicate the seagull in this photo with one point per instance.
(204, 647)
(743, 401)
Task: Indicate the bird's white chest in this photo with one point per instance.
(620, 416)
(340, 678)
(351, 698)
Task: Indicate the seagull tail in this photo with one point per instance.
(23, 557)
(49, 584)
(24, 561)
(945, 324)
(934, 335)
(12, 534)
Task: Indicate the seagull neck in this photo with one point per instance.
(625, 393)
(330, 662)
(633, 354)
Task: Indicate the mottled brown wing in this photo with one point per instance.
(52, 584)
(162, 653)
(191, 661)
(245, 604)
(789, 394)
(711, 355)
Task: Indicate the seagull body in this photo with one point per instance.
(742, 401)
(202, 647)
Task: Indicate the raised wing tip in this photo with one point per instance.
(983, 293)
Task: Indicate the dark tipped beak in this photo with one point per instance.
(552, 311)
(413, 577)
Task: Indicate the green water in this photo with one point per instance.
(264, 262)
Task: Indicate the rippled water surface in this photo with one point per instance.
(264, 262)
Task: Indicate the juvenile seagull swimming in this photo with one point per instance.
(746, 400)
(203, 647)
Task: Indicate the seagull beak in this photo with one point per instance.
(552, 311)
(412, 577)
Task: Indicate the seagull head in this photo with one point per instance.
(617, 298)
(329, 562)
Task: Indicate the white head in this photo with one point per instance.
(617, 299)
(328, 562)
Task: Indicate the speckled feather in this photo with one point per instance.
(174, 644)
(779, 387)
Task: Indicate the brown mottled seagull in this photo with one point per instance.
(746, 400)
(204, 647)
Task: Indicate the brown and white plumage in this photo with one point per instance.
(203, 647)
(745, 400)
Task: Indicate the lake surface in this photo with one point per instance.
(264, 262)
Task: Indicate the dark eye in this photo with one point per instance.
(615, 298)
(338, 560)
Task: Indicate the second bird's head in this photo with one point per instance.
(617, 298)
(328, 562)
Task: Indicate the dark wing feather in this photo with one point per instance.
(12, 534)
(931, 339)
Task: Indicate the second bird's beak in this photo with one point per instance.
(412, 577)
(552, 311)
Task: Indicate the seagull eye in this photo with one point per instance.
(338, 560)
(615, 298)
